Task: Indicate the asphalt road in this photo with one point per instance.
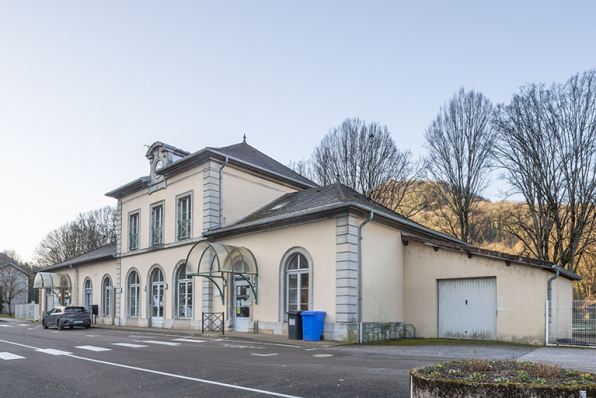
(108, 363)
(115, 363)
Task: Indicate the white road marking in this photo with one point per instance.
(7, 356)
(55, 331)
(216, 383)
(264, 355)
(159, 342)
(51, 351)
(311, 349)
(20, 324)
(322, 355)
(93, 348)
(31, 328)
(190, 340)
(91, 335)
(130, 345)
(6, 326)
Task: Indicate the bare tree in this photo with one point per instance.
(13, 283)
(547, 146)
(87, 232)
(365, 158)
(460, 142)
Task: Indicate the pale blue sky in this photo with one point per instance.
(85, 84)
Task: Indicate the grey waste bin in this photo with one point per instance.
(295, 325)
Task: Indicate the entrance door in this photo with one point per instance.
(157, 298)
(242, 303)
(468, 308)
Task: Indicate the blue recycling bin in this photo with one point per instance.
(312, 325)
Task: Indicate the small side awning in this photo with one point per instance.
(212, 260)
(50, 280)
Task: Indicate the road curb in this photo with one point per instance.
(256, 339)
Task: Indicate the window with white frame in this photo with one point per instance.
(157, 225)
(184, 284)
(106, 300)
(298, 283)
(184, 217)
(88, 297)
(133, 231)
(134, 294)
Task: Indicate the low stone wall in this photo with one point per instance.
(429, 387)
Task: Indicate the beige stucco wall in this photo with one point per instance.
(187, 182)
(521, 291)
(243, 193)
(318, 239)
(382, 274)
(166, 259)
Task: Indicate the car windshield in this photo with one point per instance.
(74, 309)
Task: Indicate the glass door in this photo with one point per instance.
(157, 298)
(242, 302)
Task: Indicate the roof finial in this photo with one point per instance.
(244, 138)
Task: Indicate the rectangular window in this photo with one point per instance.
(133, 232)
(184, 217)
(157, 225)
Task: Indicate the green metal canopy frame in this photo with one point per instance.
(211, 260)
(50, 280)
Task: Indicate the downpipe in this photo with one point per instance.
(549, 294)
(221, 192)
(360, 326)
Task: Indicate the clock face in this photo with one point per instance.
(158, 166)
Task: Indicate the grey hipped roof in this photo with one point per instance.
(323, 199)
(252, 156)
(242, 155)
(106, 252)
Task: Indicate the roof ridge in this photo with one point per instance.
(338, 186)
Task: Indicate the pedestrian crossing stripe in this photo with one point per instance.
(93, 348)
(51, 351)
(159, 342)
(7, 356)
(189, 340)
(130, 345)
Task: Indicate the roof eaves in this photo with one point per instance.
(472, 250)
(131, 187)
(14, 265)
(301, 183)
(329, 207)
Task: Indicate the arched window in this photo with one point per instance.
(88, 294)
(134, 294)
(184, 284)
(157, 293)
(297, 284)
(106, 300)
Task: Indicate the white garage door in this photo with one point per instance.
(468, 308)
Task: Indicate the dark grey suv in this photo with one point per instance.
(61, 317)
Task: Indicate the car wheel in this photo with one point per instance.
(60, 325)
(87, 326)
(43, 323)
(72, 327)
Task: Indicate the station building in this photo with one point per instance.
(231, 231)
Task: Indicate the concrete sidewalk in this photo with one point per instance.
(233, 336)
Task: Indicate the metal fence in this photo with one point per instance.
(377, 332)
(27, 311)
(213, 322)
(571, 322)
